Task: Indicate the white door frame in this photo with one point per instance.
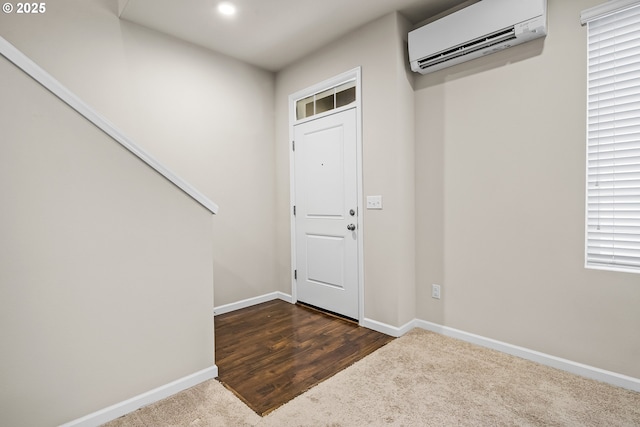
(316, 88)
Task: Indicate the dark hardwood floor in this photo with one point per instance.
(270, 353)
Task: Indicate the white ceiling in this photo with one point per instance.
(270, 33)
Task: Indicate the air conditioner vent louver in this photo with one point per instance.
(469, 47)
(484, 27)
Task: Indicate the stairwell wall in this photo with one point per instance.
(106, 268)
(207, 117)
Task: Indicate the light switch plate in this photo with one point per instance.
(374, 202)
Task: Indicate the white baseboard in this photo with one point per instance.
(119, 409)
(227, 308)
(115, 411)
(583, 370)
(393, 331)
(613, 378)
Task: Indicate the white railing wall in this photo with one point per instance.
(54, 86)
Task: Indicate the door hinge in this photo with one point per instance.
(294, 210)
(295, 274)
(293, 145)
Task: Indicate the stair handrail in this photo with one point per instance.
(36, 72)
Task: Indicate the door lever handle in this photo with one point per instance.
(351, 227)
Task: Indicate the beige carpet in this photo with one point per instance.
(421, 379)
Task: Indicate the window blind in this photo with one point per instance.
(613, 141)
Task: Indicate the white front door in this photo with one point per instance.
(326, 221)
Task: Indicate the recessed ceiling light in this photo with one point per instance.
(227, 9)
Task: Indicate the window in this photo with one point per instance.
(336, 97)
(613, 136)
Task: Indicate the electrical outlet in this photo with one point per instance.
(374, 202)
(435, 291)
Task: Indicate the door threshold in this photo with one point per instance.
(328, 312)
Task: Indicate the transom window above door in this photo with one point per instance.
(338, 96)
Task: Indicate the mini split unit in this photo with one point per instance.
(485, 27)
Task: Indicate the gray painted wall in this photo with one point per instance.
(501, 199)
(106, 268)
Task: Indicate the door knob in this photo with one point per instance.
(351, 227)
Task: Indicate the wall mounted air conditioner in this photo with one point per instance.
(480, 29)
